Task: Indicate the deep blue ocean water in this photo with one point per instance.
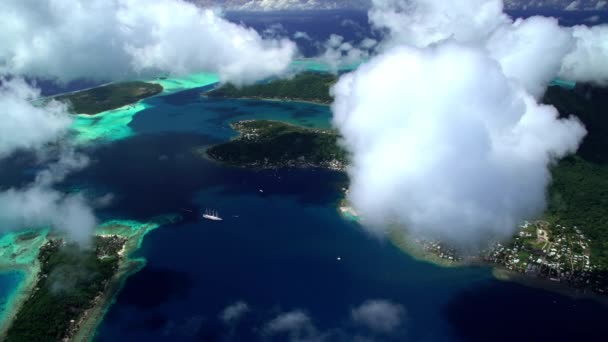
(280, 253)
(277, 249)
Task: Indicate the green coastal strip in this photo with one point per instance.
(135, 233)
(70, 285)
(19, 252)
(108, 97)
(306, 87)
(113, 124)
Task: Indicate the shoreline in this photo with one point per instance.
(203, 151)
(410, 248)
(498, 273)
(135, 232)
(21, 255)
(113, 124)
(503, 274)
(94, 316)
(399, 240)
(20, 294)
(268, 99)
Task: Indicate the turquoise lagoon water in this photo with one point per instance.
(9, 282)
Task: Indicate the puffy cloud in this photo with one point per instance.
(40, 206)
(444, 126)
(233, 313)
(515, 44)
(301, 35)
(339, 53)
(573, 6)
(373, 318)
(423, 22)
(593, 19)
(537, 41)
(28, 123)
(447, 146)
(379, 315)
(24, 125)
(104, 200)
(105, 40)
(588, 62)
(117, 39)
(296, 325)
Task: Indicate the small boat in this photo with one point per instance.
(212, 215)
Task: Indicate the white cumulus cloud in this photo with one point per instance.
(445, 144)
(118, 39)
(233, 313)
(447, 136)
(515, 43)
(588, 62)
(294, 325)
(339, 53)
(423, 22)
(24, 125)
(27, 123)
(379, 315)
(63, 40)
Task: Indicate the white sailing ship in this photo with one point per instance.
(212, 215)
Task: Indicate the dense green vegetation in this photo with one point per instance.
(579, 197)
(70, 279)
(309, 86)
(579, 191)
(271, 144)
(111, 96)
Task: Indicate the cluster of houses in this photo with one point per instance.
(539, 249)
(246, 133)
(554, 252)
(440, 250)
(336, 165)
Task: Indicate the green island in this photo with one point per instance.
(274, 144)
(69, 282)
(306, 87)
(568, 246)
(113, 124)
(69, 287)
(110, 96)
